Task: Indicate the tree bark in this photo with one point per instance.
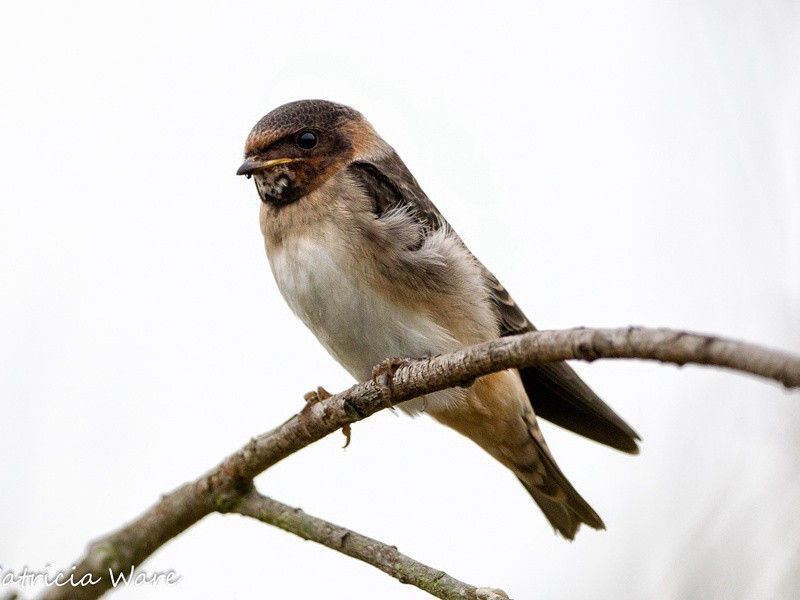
(228, 486)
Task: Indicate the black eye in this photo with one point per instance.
(307, 140)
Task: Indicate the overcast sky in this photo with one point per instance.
(613, 163)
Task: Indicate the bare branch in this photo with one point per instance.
(380, 555)
(222, 488)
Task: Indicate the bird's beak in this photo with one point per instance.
(254, 163)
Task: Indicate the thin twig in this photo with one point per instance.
(222, 488)
(380, 555)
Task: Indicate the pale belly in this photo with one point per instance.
(357, 325)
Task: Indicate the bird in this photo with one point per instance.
(369, 264)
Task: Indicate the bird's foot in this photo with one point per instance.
(383, 376)
(312, 398)
(315, 397)
(346, 431)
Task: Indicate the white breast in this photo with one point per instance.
(358, 326)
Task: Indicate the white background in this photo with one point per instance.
(613, 163)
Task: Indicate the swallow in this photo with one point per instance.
(367, 262)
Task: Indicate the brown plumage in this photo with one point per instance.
(366, 260)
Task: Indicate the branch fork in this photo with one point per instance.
(228, 487)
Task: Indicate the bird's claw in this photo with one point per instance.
(346, 431)
(315, 397)
(383, 377)
(312, 398)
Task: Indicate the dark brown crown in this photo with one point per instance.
(291, 117)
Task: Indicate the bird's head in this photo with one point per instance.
(298, 146)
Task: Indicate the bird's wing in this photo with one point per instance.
(391, 185)
(555, 390)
